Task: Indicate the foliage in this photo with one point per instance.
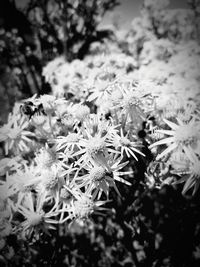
(71, 26)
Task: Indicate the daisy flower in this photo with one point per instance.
(189, 170)
(125, 145)
(181, 136)
(101, 177)
(68, 193)
(51, 181)
(79, 112)
(82, 208)
(50, 69)
(97, 125)
(35, 219)
(46, 157)
(50, 103)
(167, 105)
(100, 83)
(7, 193)
(69, 142)
(15, 136)
(130, 103)
(94, 144)
(92, 149)
(66, 121)
(23, 181)
(10, 164)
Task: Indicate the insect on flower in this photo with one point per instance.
(30, 109)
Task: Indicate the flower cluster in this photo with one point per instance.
(69, 157)
(64, 153)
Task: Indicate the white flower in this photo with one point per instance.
(181, 136)
(190, 174)
(51, 180)
(50, 69)
(10, 164)
(131, 103)
(7, 205)
(82, 207)
(92, 149)
(124, 144)
(101, 177)
(80, 111)
(47, 157)
(101, 85)
(15, 136)
(68, 143)
(35, 217)
(97, 125)
(50, 103)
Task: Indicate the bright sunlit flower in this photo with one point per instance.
(101, 178)
(131, 102)
(189, 172)
(15, 136)
(7, 192)
(35, 217)
(46, 157)
(93, 149)
(125, 145)
(80, 111)
(49, 103)
(50, 181)
(69, 142)
(82, 208)
(101, 81)
(10, 164)
(181, 136)
(97, 125)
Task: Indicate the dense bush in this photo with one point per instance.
(104, 170)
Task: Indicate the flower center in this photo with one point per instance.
(72, 138)
(68, 120)
(125, 141)
(81, 112)
(47, 157)
(35, 218)
(83, 207)
(50, 180)
(130, 101)
(95, 146)
(97, 174)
